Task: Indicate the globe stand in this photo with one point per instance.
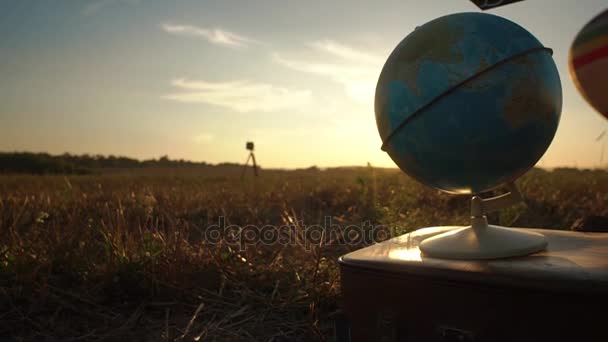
(483, 241)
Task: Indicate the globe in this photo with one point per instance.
(589, 62)
(468, 102)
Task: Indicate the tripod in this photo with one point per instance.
(255, 167)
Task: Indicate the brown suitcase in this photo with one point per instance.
(393, 293)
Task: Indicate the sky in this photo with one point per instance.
(197, 79)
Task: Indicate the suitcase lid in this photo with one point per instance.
(573, 261)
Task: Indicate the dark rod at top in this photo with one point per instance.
(488, 4)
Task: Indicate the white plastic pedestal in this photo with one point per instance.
(483, 241)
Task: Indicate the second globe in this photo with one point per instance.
(468, 102)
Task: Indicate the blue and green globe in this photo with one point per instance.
(468, 102)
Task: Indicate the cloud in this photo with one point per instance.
(345, 52)
(357, 71)
(240, 96)
(213, 35)
(203, 138)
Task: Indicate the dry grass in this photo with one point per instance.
(122, 257)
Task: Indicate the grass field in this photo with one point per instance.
(127, 255)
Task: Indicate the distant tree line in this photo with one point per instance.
(44, 163)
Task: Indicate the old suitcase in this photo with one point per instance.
(393, 293)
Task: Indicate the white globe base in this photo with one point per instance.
(482, 241)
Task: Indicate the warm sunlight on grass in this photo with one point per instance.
(123, 254)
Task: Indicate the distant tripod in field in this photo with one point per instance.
(251, 156)
(602, 138)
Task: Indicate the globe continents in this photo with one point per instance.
(468, 102)
(589, 62)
